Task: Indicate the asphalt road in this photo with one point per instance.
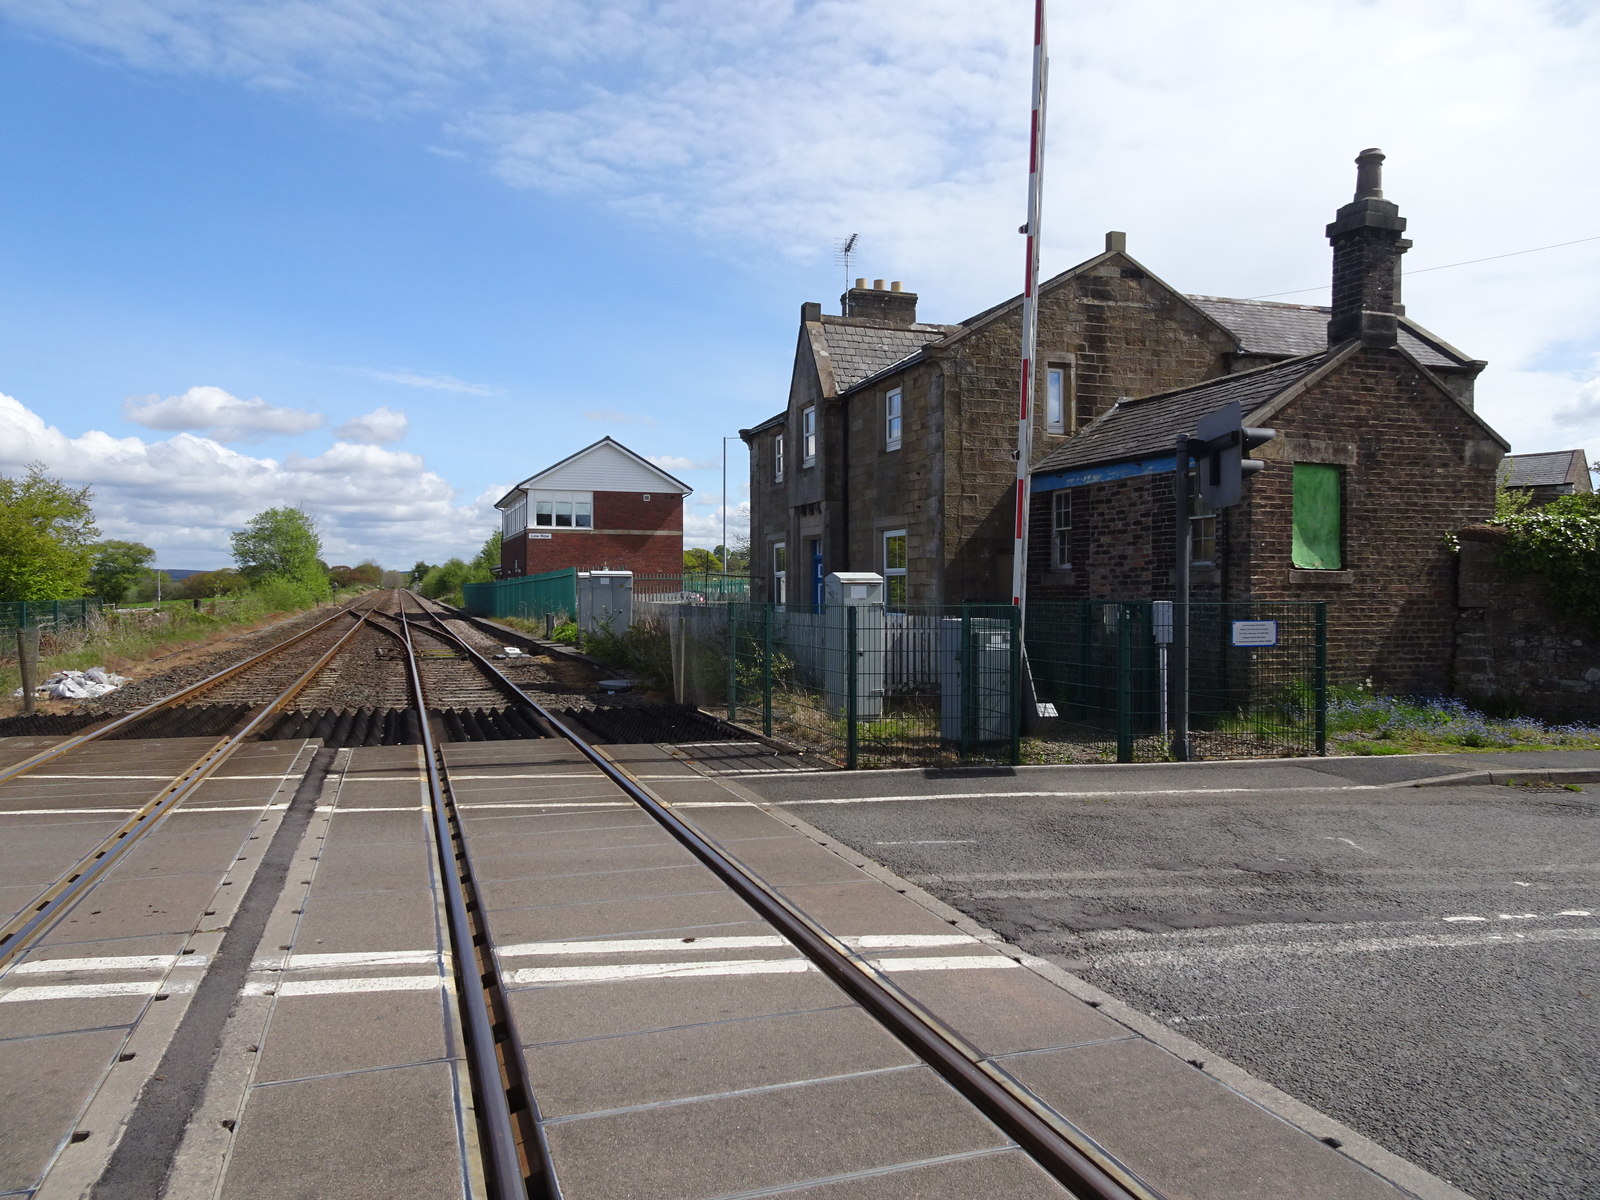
(1422, 964)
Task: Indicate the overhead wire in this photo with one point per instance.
(1442, 267)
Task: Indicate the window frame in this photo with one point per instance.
(777, 458)
(579, 511)
(808, 436)
(780, 572)
(892, 575)
(514, 517)
(893, 418)
(1061, 406)
(1202, 525)
(1061, 530)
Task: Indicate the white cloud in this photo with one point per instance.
(676, 462)
(704, 529)
(186, 494)
(219, 415)
(437, 383)
(380, 427)
(1219, 136)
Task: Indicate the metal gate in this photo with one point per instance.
(1257, 679)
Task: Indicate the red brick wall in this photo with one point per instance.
(630, 534)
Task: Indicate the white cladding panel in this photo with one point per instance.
(604, 468)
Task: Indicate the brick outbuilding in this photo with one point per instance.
(895, 451)
(1378, 458)
(602, 507)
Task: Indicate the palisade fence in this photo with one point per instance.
(26, 614)
(1105, 667)
(692, 587)
(859, 684)
(531, 597)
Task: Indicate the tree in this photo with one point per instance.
(489, 557)
(212, 583)
(281, 543)
(701, 561)
(46, 535)
(116, 567)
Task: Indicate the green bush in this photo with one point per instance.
(1559, 544)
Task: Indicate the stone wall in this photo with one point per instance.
(1513, 651)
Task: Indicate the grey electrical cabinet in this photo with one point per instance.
(975, 679)
(605, 600)
(853, 642)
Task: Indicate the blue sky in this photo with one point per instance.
(385, 259)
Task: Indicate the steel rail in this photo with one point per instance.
(1068, 1153)
(476, 971)
(127, 719)
(17, 934)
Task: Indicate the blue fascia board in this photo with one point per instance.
(1104, 473)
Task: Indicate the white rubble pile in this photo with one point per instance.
(79, 685)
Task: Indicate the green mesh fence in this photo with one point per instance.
(867, 687)
(530, 597)
(1257, 680)
(25, 614)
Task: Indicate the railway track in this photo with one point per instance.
(511, 1127)
(412, 649)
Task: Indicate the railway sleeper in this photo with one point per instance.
(339, 728)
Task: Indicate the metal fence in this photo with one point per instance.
(25, 614)
(692, 587)
(1257, 679)
(869, 687)
(530, 597)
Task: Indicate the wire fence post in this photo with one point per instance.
(732, 684)
(1319, 678)
(966, 665)
(852, 739)
(28, 665)
(1014, 692)
(766, 670)
(1124, 683)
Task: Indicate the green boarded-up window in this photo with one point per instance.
(1318, 530)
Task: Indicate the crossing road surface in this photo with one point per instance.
(1421, 963)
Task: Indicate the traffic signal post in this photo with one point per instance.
(1217, 450)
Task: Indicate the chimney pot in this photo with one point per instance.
(1369, 174)
(895, 286)
(861, 282)
(1116, 241)
(877, 285)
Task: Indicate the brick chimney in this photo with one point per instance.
(889, 306)
(1366, 261)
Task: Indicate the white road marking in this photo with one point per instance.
(932, 842)
(95, 991)
(961, 962)
(359, 958)
(1466, 918)
(1130, 794)
(616, 972)
(342, 987)
(871, 941)
(118, 962)
(1174, 959)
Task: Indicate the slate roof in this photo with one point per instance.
(1264, 327)
(1546, 470)
(1145, 428)
(859, 351)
